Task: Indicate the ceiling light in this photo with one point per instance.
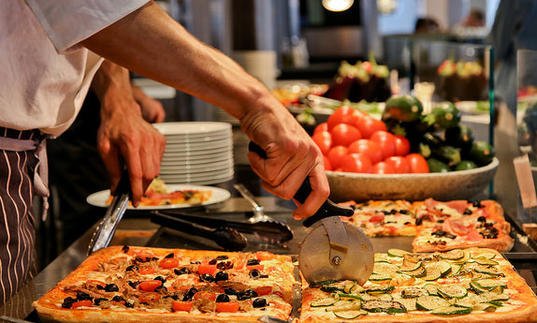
(337, 5)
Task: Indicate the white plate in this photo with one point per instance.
(219, 195)
(184, 128)
(187, 178)
(196, 160)
(198, 150)
(207, 181)
(194, 168)
(209, 146)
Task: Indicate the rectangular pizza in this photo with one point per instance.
(461, 285)
(437, 226)
(138, 284)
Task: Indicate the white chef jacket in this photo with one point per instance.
(44, 74)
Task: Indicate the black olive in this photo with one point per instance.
(419, 220)
(494, 231)
(188, 296)
(477, 204)
(118, 298)
(131, 268)
(403, 211)
(129, 305)
(171, 255)
(81, 296)
(99, 287)
(125, 249)
(230, 291)
(154, 258)
(221, 276)
(223, 265)
(440, 221)
(263, 276)
(439, 233)
(195, 262)
(207, 277)
(254, 273)
(111, 288)
(175, 297)
(68, 302)
(449, 236)
(162, 279)
(482, 219)
(406, 223)
(252, 262)
(467, 211)
(489, 225)
(212, 262)
(222, 257)
(98, 301)
(353, 206)
(247, 294)
(133, 284)
(140, 259)
(222, 298)
(182, 271)
(259, 302)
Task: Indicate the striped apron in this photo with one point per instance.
(21, 153)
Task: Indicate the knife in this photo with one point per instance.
(105, 229)
(332, 250)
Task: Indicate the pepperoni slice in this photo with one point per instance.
(458, 205)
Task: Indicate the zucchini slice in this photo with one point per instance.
(452, 291)
(344, 306)
(378, 278)
(455, 254)
(430, 303)
(342, 295)
(397, 253)
(323, 302)
(383, 268)
(349, 315)
(418, 273)
(410, 266)
(413, 292)
(485, 261)
(378, 290)
(471, 300)
(487, 255)
(385, 297)
(377, 306)
(431, 288)
(349, 287)
(493, 297)
(478, 289)
(487, 270)
(452, 310)
(408, 303)
(489, 284)
(436, 270)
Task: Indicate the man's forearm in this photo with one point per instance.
(182, 62)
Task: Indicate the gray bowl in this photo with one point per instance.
(441, 186)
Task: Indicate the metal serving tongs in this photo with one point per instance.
(333, 250)
(105, 229)
(279, 231)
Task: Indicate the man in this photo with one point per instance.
(42, 92)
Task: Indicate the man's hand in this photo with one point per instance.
(152, 109)
(291, 155)
(123, 134)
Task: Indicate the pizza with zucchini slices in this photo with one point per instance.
(438, 226)
(461, 285)
(140, 284)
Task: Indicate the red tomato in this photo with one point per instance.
(321, 127)
(181, 306)
(377, 218)
(169, 263)
(146, 270)
(369, 125)
(400, 164)
(85, 302)
(343, 114)
(368, 147)
(356, 163)
(149, 297)
(149, 285)
(323, 140)
(258, 267)
(264, 255)
(206, 269)
(383, 168)
(327, 165)
(402, 146)
(344, 134)
(227, 307)
(386, 141)
(263, 290)
(367, 66)
(417, 163)
(335, 155)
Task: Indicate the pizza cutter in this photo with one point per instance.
(332, 250)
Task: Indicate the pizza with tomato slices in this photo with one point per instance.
(139, 284)
(438, 226)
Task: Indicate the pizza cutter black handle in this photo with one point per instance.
(328, 208)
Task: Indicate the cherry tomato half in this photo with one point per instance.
(417, 163)
(368, 147)
(356, 163)
(399, 164)
(402, 146)
(323, 141)
(386, 141)
(335, 156)
(228, 307)
(368, 125)
(344, 134)
(383, 168)
(169, 263)
(150, 285)
(181, 306)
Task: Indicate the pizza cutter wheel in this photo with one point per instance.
(333, 250)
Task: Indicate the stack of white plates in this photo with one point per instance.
(196, 152)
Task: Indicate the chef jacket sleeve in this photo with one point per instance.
(68, 22)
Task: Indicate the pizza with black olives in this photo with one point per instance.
(140, 284)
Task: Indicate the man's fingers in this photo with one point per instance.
(110, 157)
(319, 193)
(292, 183)
(257, 164)
(134, 167)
